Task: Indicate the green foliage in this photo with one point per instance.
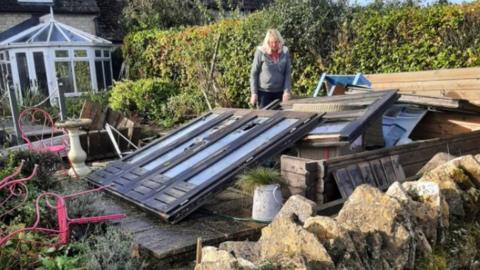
(160, 14)
(113, 250)
(409, 38)
(258, 176)
(147, 97)
(459, 250)
(48, 164)
(35, 251)
(74, 104)
(63, 257)
(322, 36)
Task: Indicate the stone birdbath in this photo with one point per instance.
(76, 155)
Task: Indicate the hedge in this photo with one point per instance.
(322, 36)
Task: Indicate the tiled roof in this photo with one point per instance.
(59, 6)
(19, 28)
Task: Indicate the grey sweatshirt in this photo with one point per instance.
(268, 76)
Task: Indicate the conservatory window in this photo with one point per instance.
(82, 76)
(80, 53)
(99, 72)
(3, 88)
(61, 53)
(103, 69)
(22, 66)
(65, 77)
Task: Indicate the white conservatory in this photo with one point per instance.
(52, 56)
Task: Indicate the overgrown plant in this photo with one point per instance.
(258, 176)
(47, 161)
(150, 98)
(113, 250)
(74, 104)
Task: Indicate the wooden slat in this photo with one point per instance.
(441, 124)
(465, 84)
(344, 183)
(367, 173)
(297, 165)
(305, 180)
(442, 74)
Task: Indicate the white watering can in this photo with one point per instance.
(267, 202)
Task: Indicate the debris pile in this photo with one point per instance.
(373, 230)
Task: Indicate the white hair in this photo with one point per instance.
(271, 33)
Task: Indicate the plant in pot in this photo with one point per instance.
(264, 183)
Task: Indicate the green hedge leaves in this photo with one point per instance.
(323, 36)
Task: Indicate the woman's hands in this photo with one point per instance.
(253, 99)
(285, 97)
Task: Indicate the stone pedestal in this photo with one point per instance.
(76, 155)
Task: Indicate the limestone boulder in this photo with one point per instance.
(446, 176)
(214, 259)
(298, 206)
(471, 167)
(423, 200)
(380, 228)
(457, 179)
(437, 160)
(336, 240)
(242, 249)
(285, 238)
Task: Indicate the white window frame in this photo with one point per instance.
(72, 59)
(102, 58)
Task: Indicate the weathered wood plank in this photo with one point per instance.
(441, 74)
(344, 182)
(297, 165)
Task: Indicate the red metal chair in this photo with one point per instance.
(63, 220)
(38, 130)
(15, 188)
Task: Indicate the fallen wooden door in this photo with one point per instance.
(174, 175)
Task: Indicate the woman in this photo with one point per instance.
(270, 77)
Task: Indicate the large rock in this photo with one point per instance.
(336, 240)
(423, 200)
(242, 249)
(299, 207)
(437, 160)
(380, 228)
(469, 164)
(456, 179)
(285, 238)
(214, 259)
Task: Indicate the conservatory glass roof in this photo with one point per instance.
(53, 31)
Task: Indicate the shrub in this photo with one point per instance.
(114, 250)
(323, 36)
(409, 38)
(147, 97)
(48, 164)
(74, 104)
